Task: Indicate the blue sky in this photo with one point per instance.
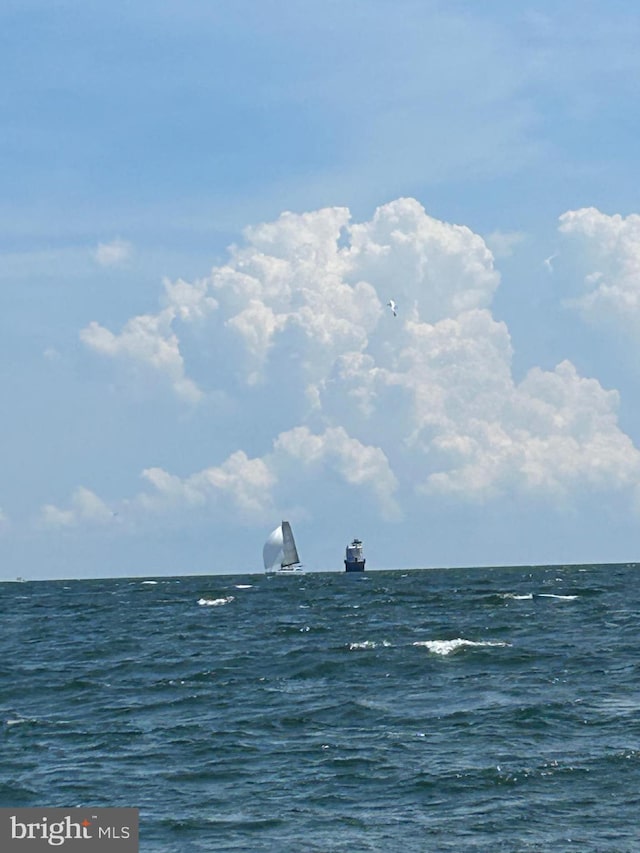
(204, 209)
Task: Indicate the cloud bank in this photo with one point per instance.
(398, 409)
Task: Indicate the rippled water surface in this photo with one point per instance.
(457, 710)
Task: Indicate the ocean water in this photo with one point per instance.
(443, 710)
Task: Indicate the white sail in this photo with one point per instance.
(272, 552)
(290, 555)
(280, 553)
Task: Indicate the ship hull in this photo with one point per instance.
(354, 565)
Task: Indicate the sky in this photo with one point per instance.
(204, 210)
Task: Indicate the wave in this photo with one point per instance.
(560, 597)
(525, 597)
(447, 647)
(215, 602)
(531, 595)
(368, 644)
(18, 721)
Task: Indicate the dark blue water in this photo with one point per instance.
(457, 710)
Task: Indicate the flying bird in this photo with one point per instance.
(391, 304)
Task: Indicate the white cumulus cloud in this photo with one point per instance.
(404, 407)
(247, 490)
(189, 302)
(438, 268)
(503, 243)
(147, 340)
(357, 464)
(448, 400)
(113, 254)
(252, 488)
(555, 435)
(292, 276)
(608, 247)
(244, 484)
(86, 507)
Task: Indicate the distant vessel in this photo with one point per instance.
(354, 561)
(280, 554)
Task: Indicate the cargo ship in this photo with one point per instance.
(354, 561)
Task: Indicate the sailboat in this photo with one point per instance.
(280, 554)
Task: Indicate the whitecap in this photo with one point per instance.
(150, 582)
(525, 597)
(561, 597)
(368, 644)
(244, 586)
(446, 647)
(215, 602)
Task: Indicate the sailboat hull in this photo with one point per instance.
(286, 570)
